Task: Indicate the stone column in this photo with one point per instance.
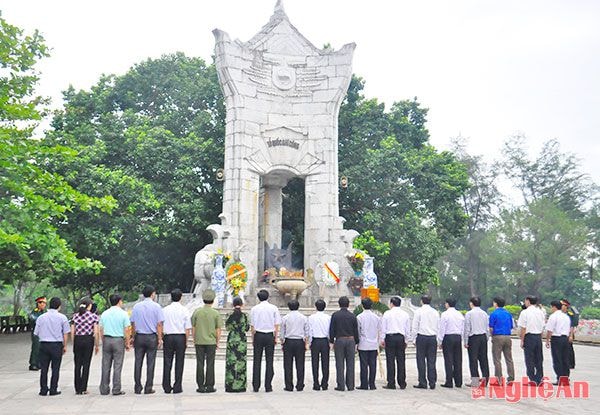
(273, 209)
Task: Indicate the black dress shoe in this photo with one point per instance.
(137, 392)
(33, 367)
(403, 386)
(445, 385)
(253, 389)
(350, 389)
(362, 388)
(389, 386)
(339, 389)
(149, 392)
(177, 391)
(269, 390)
(323, 388)
(432, 386)
(210, 390)
(201, 390)
(168, 390)
(419, 386)
(316, 388)
(372, 387)
(43, 393)
(288, 389)
(54, 393)
(118, 393)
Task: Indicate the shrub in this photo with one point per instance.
(378, 306)
(590, 313)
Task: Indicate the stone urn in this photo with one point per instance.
(292, 287)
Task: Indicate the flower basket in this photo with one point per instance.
(356, 260)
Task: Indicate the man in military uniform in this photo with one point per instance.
(574, 316)
(35, 340)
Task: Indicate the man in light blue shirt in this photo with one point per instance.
(147, 320)
(114, 330)
(53, 329)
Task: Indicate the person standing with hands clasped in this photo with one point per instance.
(265, 321)
(558, 329)
(368, 345)
(531, 324)
(318, 334)
(425, 328)
(294, 334)
(343, 333)
(452, 324)
(84, 335)
(52, 328)
(147, 324)
(206, 330)
(395, 333)
(475, 338)
(176, 330)
(116, 334)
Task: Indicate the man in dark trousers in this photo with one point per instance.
(206, 329)
(557, 336)
(395, 332)
(368, 345)
(53, 329)
(452, 324)
(176, 330)
(343, 333)
(265, 321)
(318, 333)
(147, 325)
(294, 333)
(39, 309)
(476, 338)
(531, 325)
(425, 327)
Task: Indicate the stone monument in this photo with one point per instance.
(283, 97)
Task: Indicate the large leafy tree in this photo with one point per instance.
(33, 200)
(401, 188)
(153, 138)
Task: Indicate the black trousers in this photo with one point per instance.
(534, 357)
(426, 357)
(50, 353)
(263, 342)
(368, 368)
(560, 356)
(452, 349)
(83, 348)
(293, 352)
(319, 350)
(478, 354)
(395, 359)
(571, 356)
(173, 347)
(145, 346)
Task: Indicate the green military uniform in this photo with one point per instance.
(574, 316)
(35, 340)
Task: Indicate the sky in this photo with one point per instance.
(486, 69)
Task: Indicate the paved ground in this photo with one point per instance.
(19, 388)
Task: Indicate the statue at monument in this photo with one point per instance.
(282, 97)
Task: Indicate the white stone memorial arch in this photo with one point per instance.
(282, 97)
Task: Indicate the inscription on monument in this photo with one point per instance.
(286, 142)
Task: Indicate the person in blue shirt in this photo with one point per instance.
(501, 325)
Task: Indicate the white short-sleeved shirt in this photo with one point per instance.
(532, 319)
(559, 324)
(177, 319)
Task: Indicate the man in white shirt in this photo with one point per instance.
(395, 333)
(425, 328)
(294, 334)
(264, 323)
(368, 343)
(318, 336)
(531, 324)
(449, 338)
(177, 328)
(476, 337)
(558, 330)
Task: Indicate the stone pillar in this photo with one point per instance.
(273, 215)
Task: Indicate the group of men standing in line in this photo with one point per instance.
(150, 326)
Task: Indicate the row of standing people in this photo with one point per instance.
(150, 326)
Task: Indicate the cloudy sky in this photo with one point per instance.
(486, 69)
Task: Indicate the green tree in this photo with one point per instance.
(153, 138)
(34, 200)
(400, 188)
